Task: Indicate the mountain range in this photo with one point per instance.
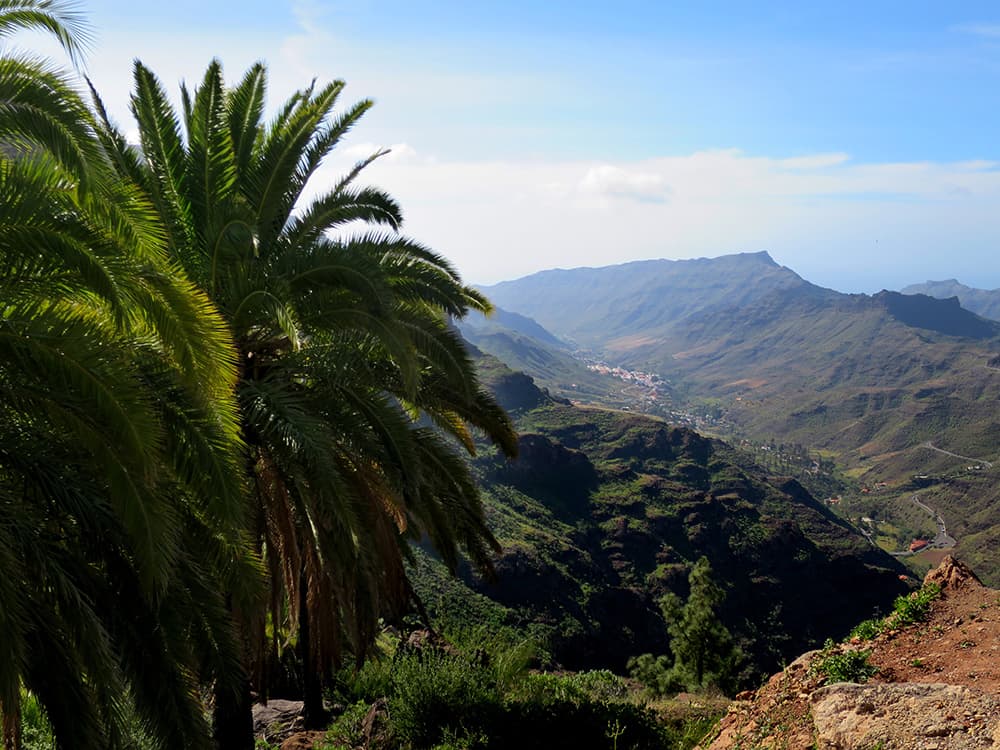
(890, 385)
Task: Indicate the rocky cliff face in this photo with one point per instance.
(937, 685)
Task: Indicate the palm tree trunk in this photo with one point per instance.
(233, 716)
(11, 726)
(232, 713)
(313, 713)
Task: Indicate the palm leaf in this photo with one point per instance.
(60, 19)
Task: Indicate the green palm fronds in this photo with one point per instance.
(121, 499)
(357, 397)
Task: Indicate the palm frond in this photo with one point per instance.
(163, 150)
(40, 109)
(245, 109)
(62, 20)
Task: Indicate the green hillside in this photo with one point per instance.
(606, 511)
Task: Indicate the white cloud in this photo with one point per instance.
(837, 221)
(619, 183)
(848, 225)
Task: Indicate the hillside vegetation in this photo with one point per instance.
(604, 512)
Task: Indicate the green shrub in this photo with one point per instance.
(453, 741)
(867, 629)
(371, 682)
(547, 690)
(906, 610)
(656, 673)
(601, 685)
(434, 693)
(36, 732)
(484, 698)
(838, 664)
(915, 607)
(346, 728)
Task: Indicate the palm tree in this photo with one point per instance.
(355, 393)
(117, 421)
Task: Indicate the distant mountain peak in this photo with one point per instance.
(984, 302)
(763, 255)
(591, 306)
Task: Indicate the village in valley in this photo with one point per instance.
(650, 393)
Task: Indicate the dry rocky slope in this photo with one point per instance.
(937, 686)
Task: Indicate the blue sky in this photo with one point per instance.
(854, 141)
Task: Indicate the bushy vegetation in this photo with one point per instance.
(36, 732)
(444, 697)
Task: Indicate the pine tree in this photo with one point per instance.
(702, 647)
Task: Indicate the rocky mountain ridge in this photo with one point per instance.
(985, 302)
(590, 306)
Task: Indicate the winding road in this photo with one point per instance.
(933, 447)
(941, 540)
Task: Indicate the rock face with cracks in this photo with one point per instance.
(909, 714)
(937, 686)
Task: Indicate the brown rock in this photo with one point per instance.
(952, 574)
(897, 709)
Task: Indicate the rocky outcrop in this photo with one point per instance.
(937, 685)
(904, 715)
(952, 575)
